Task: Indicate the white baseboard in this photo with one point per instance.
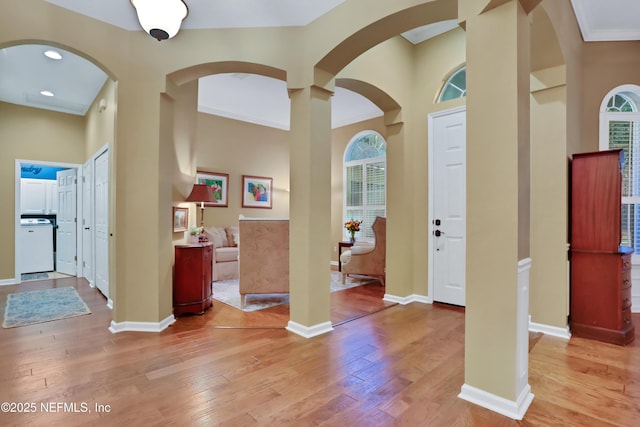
(142, 326)
(110, 304)
(334, 263)
(408, 299)
(309, 331)
(7, 282)
(509, 408)
(554, 331)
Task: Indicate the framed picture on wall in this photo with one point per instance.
(256, 192)
(180, 219)
(219, 183)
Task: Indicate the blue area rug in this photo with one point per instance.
(28, 308)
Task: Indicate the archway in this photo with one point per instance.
(68, 133)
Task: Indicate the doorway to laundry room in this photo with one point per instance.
(46, 244)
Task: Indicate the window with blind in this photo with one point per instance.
(365, 179)
(620, 129)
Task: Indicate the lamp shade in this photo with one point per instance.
(161, 18)
(201, 193)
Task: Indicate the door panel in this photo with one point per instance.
(66, 221)
(449, 199)
(101, 223)
(87, 222)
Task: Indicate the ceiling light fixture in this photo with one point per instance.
(161, 18)
(53, 54)
(46, 93)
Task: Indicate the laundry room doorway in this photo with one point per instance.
(46, 213)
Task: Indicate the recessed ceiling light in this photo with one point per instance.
(53, 54)
(46, 93)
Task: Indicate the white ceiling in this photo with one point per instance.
(24, 71)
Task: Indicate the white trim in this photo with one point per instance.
(522, 327)
(309, 331)
(591, 34)
(430, 137)
(554, 331)
(7, 282)
(408, 299)
(110, 303)
(117, 327)
(514, 409)
(635, 303)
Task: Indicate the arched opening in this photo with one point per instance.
(60, 108)
(365, 179)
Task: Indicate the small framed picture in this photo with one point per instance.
(219, 183)
(256, 192)
(180, 219)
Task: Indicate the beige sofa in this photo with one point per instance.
(225, 254)
(264, 256)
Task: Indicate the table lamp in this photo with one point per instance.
(201, 193)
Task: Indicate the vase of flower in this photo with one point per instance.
(352, 226)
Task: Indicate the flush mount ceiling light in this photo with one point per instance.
(53, 54)
(46, 93)
(161, 18)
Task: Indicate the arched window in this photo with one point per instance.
(455, 86)
(620, 129)
(365, 179)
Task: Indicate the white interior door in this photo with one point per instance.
(101, 222)
(66, 220)
(449, 208)
(87, 222)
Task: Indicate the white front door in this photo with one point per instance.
(66, 221)
(87, 222)
(448, 239)
(101, 222)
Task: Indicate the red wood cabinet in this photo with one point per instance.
(600, 267)
(192, 278)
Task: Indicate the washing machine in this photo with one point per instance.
(36, 237)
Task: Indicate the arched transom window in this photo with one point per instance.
(620, 129)
(365, 164)
(455, 86)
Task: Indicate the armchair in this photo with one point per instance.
(368, 260)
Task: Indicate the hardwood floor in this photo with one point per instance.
(345, 306)
(401, 366)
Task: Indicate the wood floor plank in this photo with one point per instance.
(402, 366)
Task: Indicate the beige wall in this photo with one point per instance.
(606, 66)
(31, 134)
(100, 125)
(239, 148)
